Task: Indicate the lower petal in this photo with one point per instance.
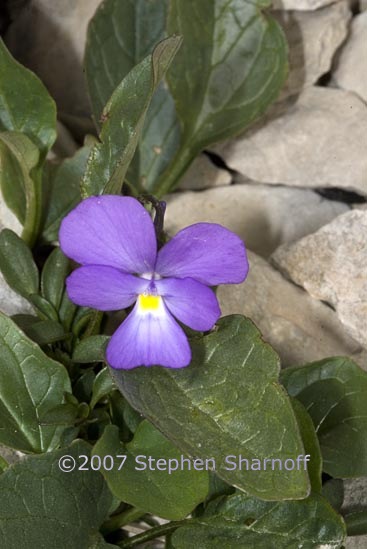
(149, 339)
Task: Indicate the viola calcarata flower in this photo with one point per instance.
(113, 239)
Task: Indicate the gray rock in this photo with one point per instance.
(318, 140)
(300, 329)
(331, 265)
(55, 49)
(10, 302)
(263, 216)
(313, 38)
(355, 499)
(203, 174)
(351, 70)
(301, 4)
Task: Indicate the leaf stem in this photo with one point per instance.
(122, 519)
(152, 533)
(171, 176)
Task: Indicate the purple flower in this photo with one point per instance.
(114, 240)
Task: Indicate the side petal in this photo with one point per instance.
(104, 288)
(110, 230)
(147, 339)
(190, 302)
(206, 252)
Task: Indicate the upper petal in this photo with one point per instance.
(148, 339)
(206, 252)
(190, 302)
(110, 230)
(104, 288)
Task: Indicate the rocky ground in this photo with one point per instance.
(294, 187)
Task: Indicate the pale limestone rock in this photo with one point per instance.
(313, 38)
(263, 216)
(316, 140)
(52, 44)
(203, 174)
(331, 265)
(301, 4)
(355, 499)
(351, 70)
(300, 329)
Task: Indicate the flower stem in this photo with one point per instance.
(122, 519)
(153, 533)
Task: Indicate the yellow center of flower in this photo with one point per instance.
(149, 302)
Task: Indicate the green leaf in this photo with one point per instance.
(231, 66)
(124, 117)
(18, 157)
(44, 309)
(25, 104)
(51, 508)
(91, 349)
(242, 522)
(311, 444)
(334, 392)
(226, 403)
(42, 332)
(17, 264)
(128, 31)
(102, 386)
(21, 181)
(64, 195)
(333, 491)
(171, 495)
(53, 277)
(32, 386)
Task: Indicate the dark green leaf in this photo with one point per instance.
(333, 491)
(231, 66)
(171, 495)
(51, 508)
(64, 194)
(102, 386)
(311, 444)
(32, 386)
(334, 392)
(44, 332)
(91, 349)
(18, 156)
(226, 403)
(45, 310)
(124, 117)
(17, 264)
(128, 31)
(67, 312)
(356, 523)
(84, 386)
(53, 277)
(241, 522)
(25, 104)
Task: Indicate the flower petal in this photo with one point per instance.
(190, 302)
(104, 288)
(206, 252)
(110, 230)
(148, 339)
